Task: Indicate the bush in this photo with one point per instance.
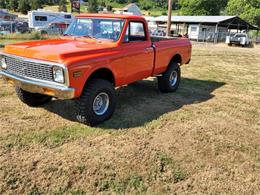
(109, 8)
(36, 35)
(164, 13)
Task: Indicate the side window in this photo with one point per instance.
(193, 29)
(135, 32)
(67, 16)
(41, 18)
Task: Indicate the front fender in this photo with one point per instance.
(85, 71)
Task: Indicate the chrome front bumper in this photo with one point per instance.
(37, 86)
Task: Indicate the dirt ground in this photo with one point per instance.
(203, 139)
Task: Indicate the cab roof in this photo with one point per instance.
(118, 16)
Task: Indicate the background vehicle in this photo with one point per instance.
(54, 29)
(22, 27)
(40, 18)
(96, 54)
(158, 32)
(7, 27)
(239, 39)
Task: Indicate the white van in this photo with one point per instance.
(39, 19)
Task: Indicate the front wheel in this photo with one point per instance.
(32, 99)
(97, 102)
(170, 80)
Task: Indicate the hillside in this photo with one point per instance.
(247, 10)
(153, 11)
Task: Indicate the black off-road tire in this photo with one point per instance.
(84, 105)
(32, 99)
(164, 83)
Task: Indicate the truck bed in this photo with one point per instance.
(167, 47)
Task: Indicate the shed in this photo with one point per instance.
(206, 28)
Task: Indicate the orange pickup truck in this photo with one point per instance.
(97, 53)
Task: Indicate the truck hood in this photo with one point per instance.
(57, 50)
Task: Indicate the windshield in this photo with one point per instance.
(97, 28)
(239, 35)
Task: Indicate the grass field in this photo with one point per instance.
(203, 139)
(15, 38)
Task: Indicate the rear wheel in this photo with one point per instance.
(32, 99)
(97, 102)
(170, 80)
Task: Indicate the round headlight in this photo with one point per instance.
(3, 62)
(58, 74)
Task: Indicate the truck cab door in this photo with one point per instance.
(138, 53)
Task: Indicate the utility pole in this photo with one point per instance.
(169, 18)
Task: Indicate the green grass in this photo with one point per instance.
(117, 5)
(203, 139)
(53, 138)
(134, 182)
(4, 93)
(10, 41)
(156, 12)
(16, 38)
(25, 36)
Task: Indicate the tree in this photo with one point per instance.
(109, 8)
(3, 4)
(35, 4)
(24, 6)
(248, 10)
(202, 7)
(13, 5)
(92, 6)
(63, 6)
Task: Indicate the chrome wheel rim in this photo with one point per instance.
(173, 78)
(101, 104)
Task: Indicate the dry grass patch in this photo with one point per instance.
(203, 139)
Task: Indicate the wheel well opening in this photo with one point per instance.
(177, 58)
(103, 73)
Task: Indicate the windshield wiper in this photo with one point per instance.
(85, 36)
(91, 37)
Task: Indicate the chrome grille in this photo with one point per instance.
(29, 69)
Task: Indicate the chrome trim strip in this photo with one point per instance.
(66, 73)
(37, 86)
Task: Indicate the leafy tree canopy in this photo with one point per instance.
(248, 10)
(202, 7)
